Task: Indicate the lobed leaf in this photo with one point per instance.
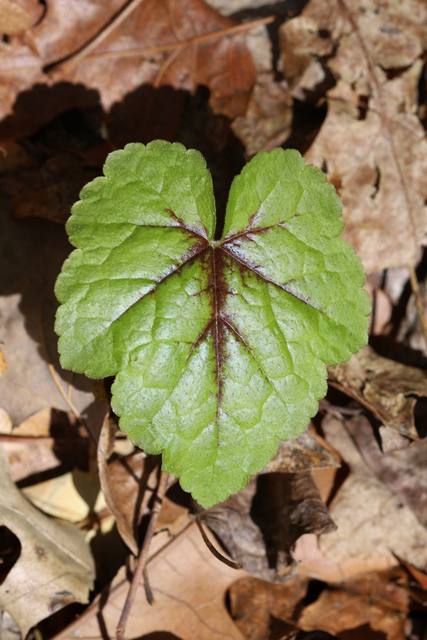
(218, 347)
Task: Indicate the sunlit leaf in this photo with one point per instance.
(219, 347)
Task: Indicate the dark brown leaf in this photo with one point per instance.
(254, 603)
(120, 49)
(373, 599)
(260, 525)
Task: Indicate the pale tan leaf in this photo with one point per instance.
(55, 566)
(189, 587)
(13, 17)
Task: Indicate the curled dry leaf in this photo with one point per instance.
(127, 483)
(371, 143)
(55, 566)
(372, 520)
(387, 388)
(260, 525)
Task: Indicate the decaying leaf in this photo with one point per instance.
(372, 520)
(189, 587)
(260, 525)
(117, 52)
(372, 144)
(127, 483)
(254, 603)
(31, 253)
(308, 451)
(403, 470)
(373, 602)
(387, 388)
(55, 566)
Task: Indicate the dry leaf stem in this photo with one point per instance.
(215, 552)
(161, 48)
(142, 558)
(84, 53)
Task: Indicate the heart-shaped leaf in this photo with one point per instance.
(219, 347)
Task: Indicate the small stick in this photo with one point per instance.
(215, 552)
(181, 44)
(142, 559)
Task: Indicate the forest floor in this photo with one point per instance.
(332, 534)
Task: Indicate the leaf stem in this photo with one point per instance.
(215, 552)
(142, 558)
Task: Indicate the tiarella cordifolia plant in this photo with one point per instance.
(218, 347)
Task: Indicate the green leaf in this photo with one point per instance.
(218, 347)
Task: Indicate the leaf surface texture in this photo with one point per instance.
(218, 347)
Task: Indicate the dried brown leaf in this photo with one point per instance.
(372, 520)
(32, 252)
(253, 604)
(308, 451)
(314, 564)
(135, 59)
(372, 144)
(403, 471)
(374, 600)
(127, 483)
(387, 388)
(189, 587)
(260, 525)
(13, 17)
(55, 566)
(268, 119)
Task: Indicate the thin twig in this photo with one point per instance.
(215, 552)
(162, 48)
(142, 559)
(53, 372)
(17, 439)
